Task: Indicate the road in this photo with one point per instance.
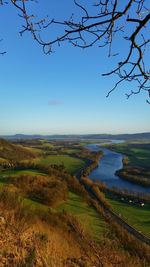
(114, 216)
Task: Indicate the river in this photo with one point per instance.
(108, 165)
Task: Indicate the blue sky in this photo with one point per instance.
(63, 92)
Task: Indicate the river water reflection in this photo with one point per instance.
(108, 165)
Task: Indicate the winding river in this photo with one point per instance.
(108, 165)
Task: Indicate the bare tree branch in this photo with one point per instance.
(100, 23)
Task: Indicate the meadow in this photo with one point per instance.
(71, 164)
(134, 214)
(137, 153)
(90, 219)
(136, 162)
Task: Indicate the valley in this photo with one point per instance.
(47, 188)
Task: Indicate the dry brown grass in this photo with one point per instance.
(37, 240)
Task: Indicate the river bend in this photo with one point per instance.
(108, 165)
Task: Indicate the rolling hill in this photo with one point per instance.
(135, 136)
(11, 152)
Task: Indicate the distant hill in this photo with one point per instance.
(11, 152)
(136, 136)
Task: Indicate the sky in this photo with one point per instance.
(61, 93)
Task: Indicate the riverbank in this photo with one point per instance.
(138, 153)
(135, 175)
(136, 162)
(106, 170)
(105, 204)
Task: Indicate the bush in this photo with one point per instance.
(45, 189)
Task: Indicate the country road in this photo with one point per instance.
(129, 228)
(111, 214)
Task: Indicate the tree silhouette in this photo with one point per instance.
(101, 23)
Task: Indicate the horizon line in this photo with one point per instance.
(73, 134)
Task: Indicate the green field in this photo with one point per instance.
(71, 164)
(34, 150)
(87, 215)
(48, 145)
(90, 219)
(35, 206)
(138, 154)
(137, 216)
(71, 151)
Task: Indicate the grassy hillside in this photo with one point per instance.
(6, 175)
(137, 216)
(11, 152)
(71, 164)
(34, 235)
(87, 215)
(48, 219)
(138, 153)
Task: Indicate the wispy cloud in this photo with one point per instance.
(54, 102)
